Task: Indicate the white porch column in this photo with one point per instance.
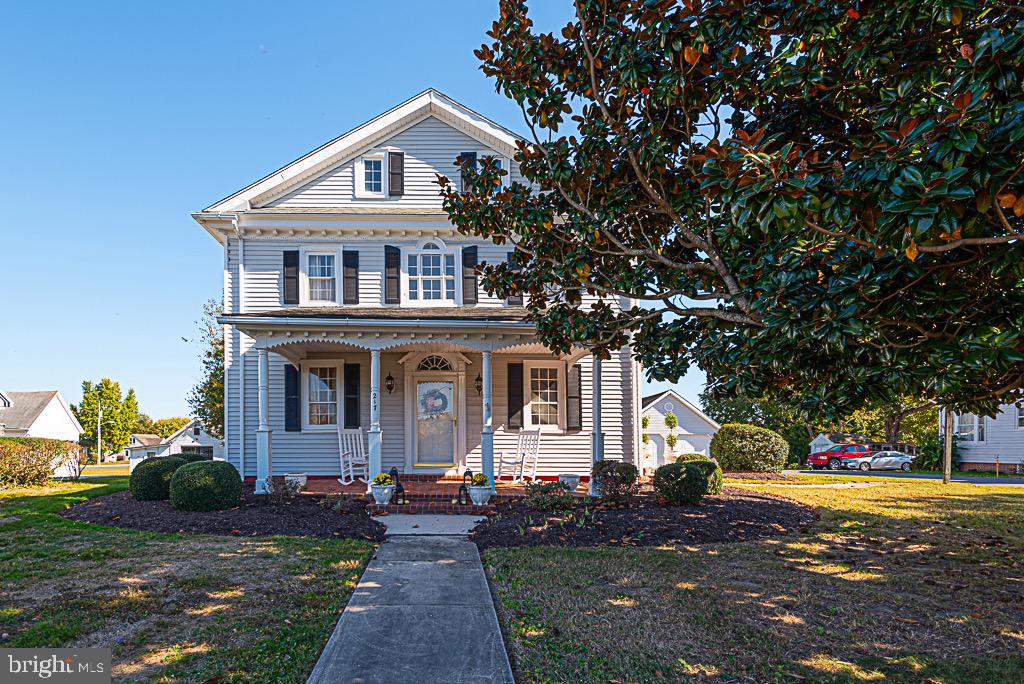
(596, 436)
(374, 436)
(487, 432)
(264, 458)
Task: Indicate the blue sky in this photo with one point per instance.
(119, 119)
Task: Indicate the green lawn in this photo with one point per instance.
(107, 469)
(172, 607)
(909, 582)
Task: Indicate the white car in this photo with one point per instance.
(880, 460)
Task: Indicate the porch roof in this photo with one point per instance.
(507, 314)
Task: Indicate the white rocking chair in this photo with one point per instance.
(523, 462)
(352, 451)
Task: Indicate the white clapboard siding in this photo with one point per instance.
(430, 148)
(1002, 438)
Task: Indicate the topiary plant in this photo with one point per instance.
(151, 479)
(715, 480)
(206, 486)
(616, 480)
(671, 422)
(749, 448)
(683, 483)
(671, 441)
(194, 458)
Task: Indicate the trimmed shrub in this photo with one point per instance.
(151, 479)
(749, 449)
(206, 486)
(548, 496)
(31, 461)
(715, 480)
(194, 458)
(616, 480)
(683, 483)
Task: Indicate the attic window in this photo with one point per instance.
(373, 175)
(371, 172)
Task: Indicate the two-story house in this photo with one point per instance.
(350, 301)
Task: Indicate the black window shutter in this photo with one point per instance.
(392, 268)
(515, 395)
(396, 173)
(351, 395)
(468, 162)
(290, 269)
(574, 398)
(469, 286)
(516, 300)
(350, 282)
(291, 398)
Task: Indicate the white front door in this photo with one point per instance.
(435, 420)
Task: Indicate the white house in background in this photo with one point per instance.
(981, 441)
(37, 414)
(352, 303)
(191, 439)
(693, 432)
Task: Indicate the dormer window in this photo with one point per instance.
(431, 273)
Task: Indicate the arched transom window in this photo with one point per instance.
(434, 363)
(431, 274)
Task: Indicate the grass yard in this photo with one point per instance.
(811, 479)
(106, 470)
(173, 607)
(908, 582)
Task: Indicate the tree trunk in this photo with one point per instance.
(947, 448)
(893, 423)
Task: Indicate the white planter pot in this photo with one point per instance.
(480, 495)
(382, 493)
(297, 478)
(571, 480)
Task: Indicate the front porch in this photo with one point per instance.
(431, 397)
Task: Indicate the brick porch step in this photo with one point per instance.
(438, 507)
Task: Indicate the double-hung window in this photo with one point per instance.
(322, 390)
(545, 394)
(371, 175)
(972, 428)
(322, 277)
(431, 273)
(1020, 416)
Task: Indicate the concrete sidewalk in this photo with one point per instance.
(422, 612)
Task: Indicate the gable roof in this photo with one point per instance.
(146, 439)
(21, 409)
(184, 428)
(428, 103)
(655, 398)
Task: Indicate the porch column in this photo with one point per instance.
(374, 436)
(596, 436)
(264, 462)
(487, 432)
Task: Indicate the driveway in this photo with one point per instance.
(895, 474)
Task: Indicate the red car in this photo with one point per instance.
(833, 458)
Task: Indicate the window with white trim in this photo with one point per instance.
(544, 394)
(972, 428)
(322, 277)
(322, 393)
(371, 174)
(1020, 416)
(431, 274)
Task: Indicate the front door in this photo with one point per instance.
(435, 422)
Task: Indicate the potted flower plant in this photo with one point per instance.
(480, 489)
(382, 487)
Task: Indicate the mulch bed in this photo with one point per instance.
(255, 517)
(732, 516)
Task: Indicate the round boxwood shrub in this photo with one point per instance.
(195, 458)
(616, 480)
(206, 486)
(683, 483)
(715, 481)
(151, 479)
(742, 448)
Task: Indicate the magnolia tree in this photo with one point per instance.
(818, 202)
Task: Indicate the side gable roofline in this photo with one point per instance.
(420, 106)
(180, 432)
(700, 414)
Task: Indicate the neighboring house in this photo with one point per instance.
(693, 432)
(350, 301)
(982, 441)
(37, 414)
(191, 439)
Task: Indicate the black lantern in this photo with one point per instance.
(389, 383)
(399, 487)
(478, 384)
(467, 477)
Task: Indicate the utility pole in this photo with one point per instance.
(99, 431)
(947, 447)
